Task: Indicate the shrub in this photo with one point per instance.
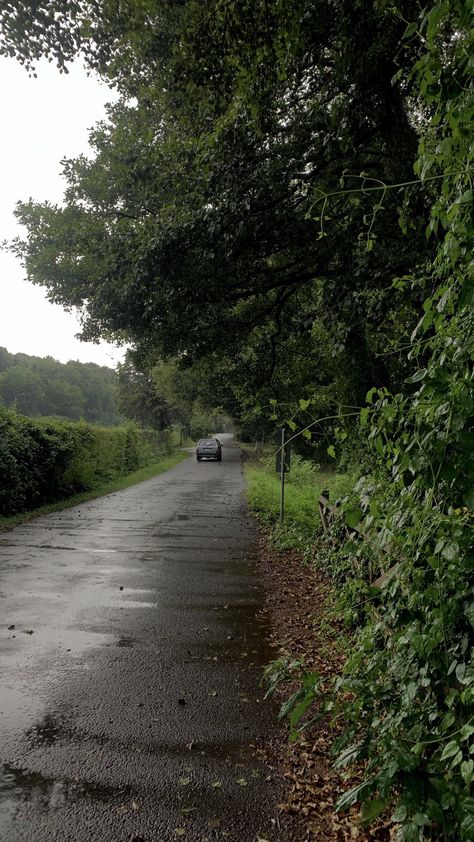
(45, 460)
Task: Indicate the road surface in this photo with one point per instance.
(131, 657)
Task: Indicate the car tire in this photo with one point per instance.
(198, 458)
(219, 458)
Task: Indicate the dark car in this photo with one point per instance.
(209, 449)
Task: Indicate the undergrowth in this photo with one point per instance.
(303, 486)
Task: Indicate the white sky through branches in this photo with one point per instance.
(43, 120)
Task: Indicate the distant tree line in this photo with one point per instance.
(155, 398)
(36, 386)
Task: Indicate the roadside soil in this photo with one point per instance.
(297, 609)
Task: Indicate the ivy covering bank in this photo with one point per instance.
(410, 679)
(43, 460)
(407, 692)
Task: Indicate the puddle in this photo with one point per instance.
(132, 603)
(17, 706)
(94, 550)
(46, 732)
(227, 752)
(126, 642)
(23, 545)
(20, 788)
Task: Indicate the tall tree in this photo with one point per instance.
(198, 222)
(139, 398)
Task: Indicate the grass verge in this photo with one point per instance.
(303, 487)
(117, 484)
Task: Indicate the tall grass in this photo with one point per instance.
(303, 486)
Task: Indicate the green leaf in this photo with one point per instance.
(357, 793)
(420, 819)
(307, 434)
(301, 708)
(419, 375)
(304, 404)
(364, 415)
(469, 612)
(371, 809)
(272, 402)
(349, 755)
(450, 750)
(467, 828)
(410, 30)
(399, 814)
(331, 451)
(450, 550)
(467, 771)
(352, 517)
(291, 425)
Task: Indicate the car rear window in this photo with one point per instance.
(206, 441)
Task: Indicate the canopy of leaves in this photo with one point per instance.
(196, 228)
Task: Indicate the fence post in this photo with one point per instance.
(282, 476)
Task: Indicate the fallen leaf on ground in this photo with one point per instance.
(298, 611)
(214, 823)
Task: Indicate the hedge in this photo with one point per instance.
(44, 460)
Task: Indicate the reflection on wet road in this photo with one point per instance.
(131, 657)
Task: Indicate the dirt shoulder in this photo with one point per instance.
(297, 608)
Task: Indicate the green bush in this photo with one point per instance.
(44, 460)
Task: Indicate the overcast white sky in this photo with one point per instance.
(43, 120)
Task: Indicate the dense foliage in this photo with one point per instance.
(44, 460)
(411, 678)
(408, 687)
(195, 229)
(44, 386)
(246, 213)
(165, 395)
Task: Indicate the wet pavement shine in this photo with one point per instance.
(131, 657)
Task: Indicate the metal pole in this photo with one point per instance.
(282, 475)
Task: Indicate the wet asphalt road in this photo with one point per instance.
(131, 657)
